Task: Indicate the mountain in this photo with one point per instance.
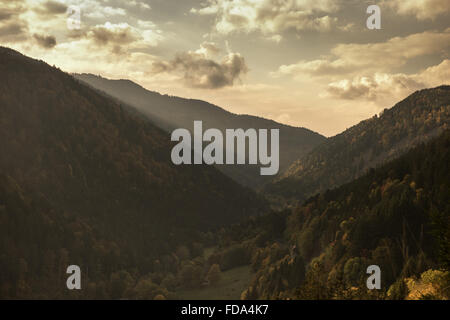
(173, 112)
(83, 181)
(396, 217)
(346, 156)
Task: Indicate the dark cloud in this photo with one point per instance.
(198, 71)
(5, 15)
(12, 27)
(118, 36)
(353, 91)
(11, 11)
(13, 31)
(51, 8)
(77, 33)
(47, 42)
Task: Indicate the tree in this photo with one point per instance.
(214, 274)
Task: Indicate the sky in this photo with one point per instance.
(306, 63)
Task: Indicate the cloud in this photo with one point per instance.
(46, 42)
(122, 36)
(363, 58)
(103, 12)
(12, 27)
(396, 51)
(318, 67)
(121, 33)
(26, 25)
(422, 9)
(359, 75)
(275, 38)
(372, 72)
(208, 49)
(95, 10)
(283, 118)
(5, 15)
(51, 8)
(13, 31)
(381, 85)
(270, 16)
(198, 70)
(370, 88)
(138, 4)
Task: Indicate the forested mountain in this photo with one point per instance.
(342, 158)
(82, 181)
(396, 216)
(173, 112)
(86, 180)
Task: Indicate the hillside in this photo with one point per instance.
(396, 216)
(173, 112)
(346, 156)
(82, 181)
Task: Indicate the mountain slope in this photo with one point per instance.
(174, 112)
(368, 144)
(396, 217)
(84, 181)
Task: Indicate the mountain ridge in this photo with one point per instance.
(170, 112)
(84, 181)
(342, 158)
(395, 216)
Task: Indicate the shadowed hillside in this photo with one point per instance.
(84, 182)
(174, 112)
(342, 158)
(396, 217)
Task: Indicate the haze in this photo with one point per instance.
(310, 63)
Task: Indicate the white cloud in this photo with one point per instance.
(318, 67)
(422, 9)
(139, 4)
(270, 16)
(364, 58)
(275, 38)
(99, 12)
(394, 52)
(381, 86)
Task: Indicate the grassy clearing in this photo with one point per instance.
(230, 286)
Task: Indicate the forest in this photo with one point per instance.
(421, 116)
(396, 216)
(87, 179)
(86, 182)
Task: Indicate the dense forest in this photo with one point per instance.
(85, 182)
(396, 216)
(346, 156)
(87, 179)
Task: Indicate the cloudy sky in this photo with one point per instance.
(310, 63)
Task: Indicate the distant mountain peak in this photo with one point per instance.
(169, 112)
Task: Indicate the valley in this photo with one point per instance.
(170, 113)
(86, 178)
